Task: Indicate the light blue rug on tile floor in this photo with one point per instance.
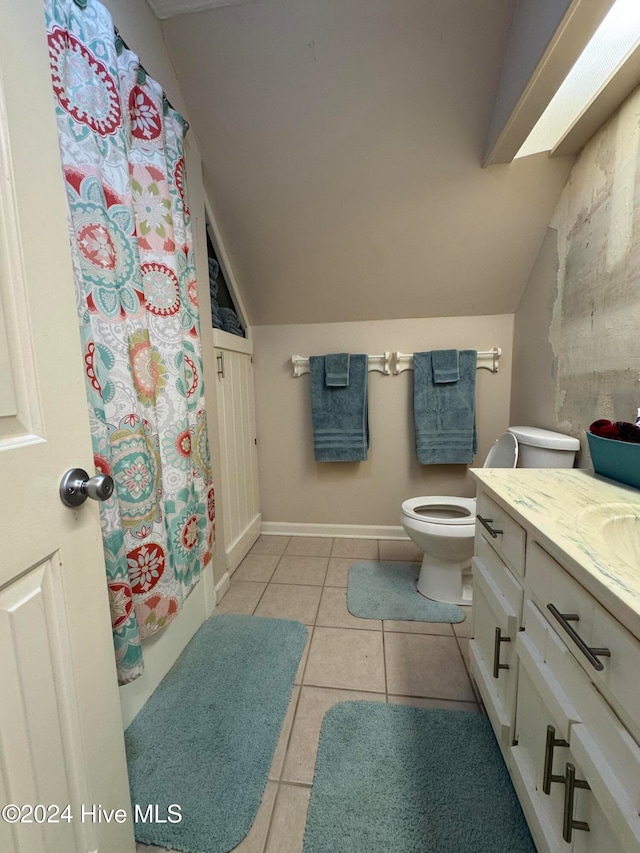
(205, 739)
(399, 779)
(387, 590)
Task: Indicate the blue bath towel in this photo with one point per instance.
(340, 415)
(336, 370)
(231, 321)
(216, 320)
(445, 414)
(445, 365)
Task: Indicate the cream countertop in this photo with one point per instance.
(564, 510)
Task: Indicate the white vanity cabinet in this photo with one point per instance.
(567, 711)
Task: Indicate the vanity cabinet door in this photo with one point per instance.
(563, 780)
(562, 813)
(492, 651)
(527, 764)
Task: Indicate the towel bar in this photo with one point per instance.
(487, 360)
(379, 363)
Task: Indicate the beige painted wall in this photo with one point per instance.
(141, 31)
(294, 488)
(593, 287)
(342, 144)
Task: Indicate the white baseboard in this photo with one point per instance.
(336, 531)
(222, 587)
(238, 550)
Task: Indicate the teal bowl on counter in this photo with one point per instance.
(618, 460)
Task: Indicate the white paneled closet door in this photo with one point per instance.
(236, 418)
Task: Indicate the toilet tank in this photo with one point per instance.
(543, 448)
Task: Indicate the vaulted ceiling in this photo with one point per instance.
(342, 142)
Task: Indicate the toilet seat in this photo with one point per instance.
(441, 509)
(504, 453)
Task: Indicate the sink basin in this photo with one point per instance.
(622, 535)
(619, 526)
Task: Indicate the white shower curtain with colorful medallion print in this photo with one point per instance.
(123, 163)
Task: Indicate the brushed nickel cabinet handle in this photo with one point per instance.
(498, 639)
(592, 654)
(548, 775)
(486, 523)
(220, 359)
(568, 823)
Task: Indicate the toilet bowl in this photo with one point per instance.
(443, 527)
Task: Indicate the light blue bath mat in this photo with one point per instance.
(206, 737)
(398, 779)
(387, 590)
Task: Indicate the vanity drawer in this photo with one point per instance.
(510, 541)
(550, 584)
(506, 584)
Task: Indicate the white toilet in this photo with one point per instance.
(444, 526)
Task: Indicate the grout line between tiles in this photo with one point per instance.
(253, 612)
(464, 663)
(297, 784)
(302, 675)
(275, 805)
(338, 687)
(271, 816)
(293, 718)
(384, 666)
(435, 698)
(416, 633)
(286, 751)
(315, 617)
(341, 628)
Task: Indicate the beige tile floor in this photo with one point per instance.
(346, 658)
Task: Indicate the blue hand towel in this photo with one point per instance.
(445, 365)
(445, 414)
(336, 370)
(340, 415)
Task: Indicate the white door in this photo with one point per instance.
(61, 737)
(238, 452)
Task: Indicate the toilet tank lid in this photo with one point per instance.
(536, 437)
